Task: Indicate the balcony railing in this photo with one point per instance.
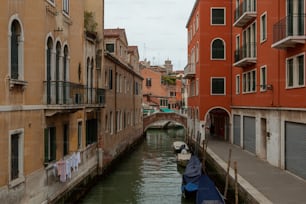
(289, 31)
(246, 55)
(245, 13)
(189, 71)
(67, 93)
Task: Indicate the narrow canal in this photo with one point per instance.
(148, 175)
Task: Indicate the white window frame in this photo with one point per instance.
(295, 72)
(263, 79)
(211, 86)
(263, 27)
(250, 33)
(20, 79)
(211, 17)
(21, 178)
(52, 2)
(237, 84)
(211, 49)
(66, 7)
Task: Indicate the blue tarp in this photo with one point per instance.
(207, 192)
(166, 110)
(192, 174)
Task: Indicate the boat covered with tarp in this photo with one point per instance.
(191, 177)
(207, 192)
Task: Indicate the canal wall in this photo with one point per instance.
(76, 192)
(217, 169)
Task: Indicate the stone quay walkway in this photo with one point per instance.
(264, 182)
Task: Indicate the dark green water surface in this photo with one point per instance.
(147, 175)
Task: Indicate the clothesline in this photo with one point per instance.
(64, 167)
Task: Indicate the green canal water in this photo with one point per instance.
(148, 175)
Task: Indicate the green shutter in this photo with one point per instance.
(53, 143)
(46, 131)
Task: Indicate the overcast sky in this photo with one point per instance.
(157, 27)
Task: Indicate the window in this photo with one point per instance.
(163, 102)
(295, 72)
(296, 17)
(263, 78)
(66, 6)
(197, 52)
(110, 79)
(148, 82)
(16, 143)
(57, 73)
(249, 81)
(50, 144)
(111, 123)
(238, 84)
(217, 86)
(172, 93)
(66, 140)
(197, 22)
(197, 87)
(110, 47)
(79, 134)
(249, 42)
(65, 75)
(136, 88)
(218, 16)
(16, 51)
(49, 57)
(217, 49)
(91, 131)
(263, 27)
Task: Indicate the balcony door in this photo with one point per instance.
(295, 14)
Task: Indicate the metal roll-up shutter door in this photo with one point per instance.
(237, 133)
(249, 134)
(295, 148)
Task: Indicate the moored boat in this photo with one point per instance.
(191, 176)
(207, 192)
(178, 146)
(183, 158)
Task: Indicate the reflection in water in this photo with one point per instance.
(148, 175)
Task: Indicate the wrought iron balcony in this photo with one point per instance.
(289, 31)
(246, 55)
(189, 71)
(245, 13)
(60, 93)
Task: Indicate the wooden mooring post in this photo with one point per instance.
(236, 183)
(204, 155)
(227, 172)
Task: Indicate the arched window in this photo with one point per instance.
(217, 49)
(15, 50)
(48, 71)
(65, 75)
(57, 73)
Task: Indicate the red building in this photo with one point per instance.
(209, 68)
(263, 105)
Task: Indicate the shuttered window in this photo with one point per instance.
(50, 144)
(217, 86)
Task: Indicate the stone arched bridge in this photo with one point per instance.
(159, 116)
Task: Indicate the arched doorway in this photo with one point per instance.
(217, 124)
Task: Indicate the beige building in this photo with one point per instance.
(123, 82)
(51, 97)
